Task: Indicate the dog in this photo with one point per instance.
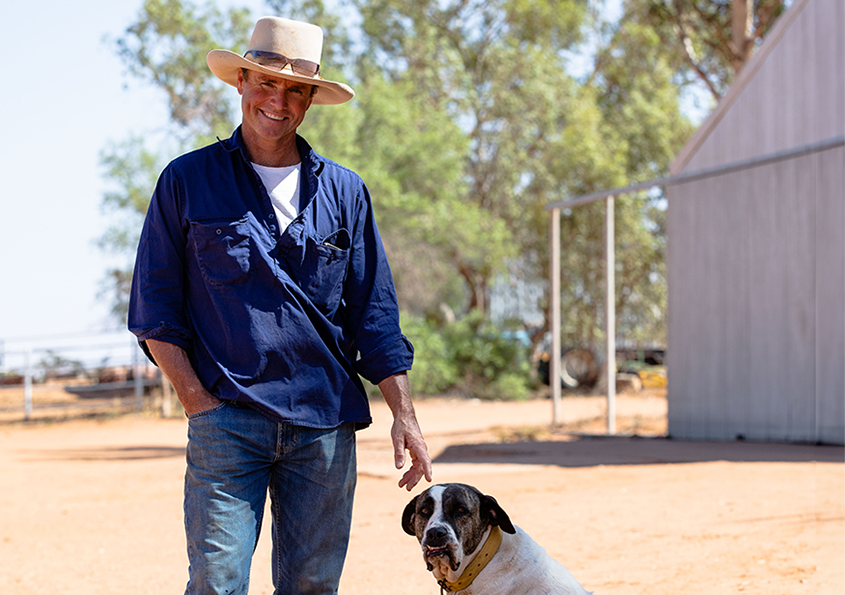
(471, 547)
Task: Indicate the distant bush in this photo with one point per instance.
(434, 367)
(472, 356)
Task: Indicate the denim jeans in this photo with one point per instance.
(235, 455)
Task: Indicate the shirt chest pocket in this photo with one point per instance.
(319, 269)
(224, 251)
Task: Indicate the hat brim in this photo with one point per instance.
(225, 65)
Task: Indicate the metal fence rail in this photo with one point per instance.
(77, 374)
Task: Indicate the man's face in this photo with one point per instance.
(273, 107)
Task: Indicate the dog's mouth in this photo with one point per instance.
(433, 554)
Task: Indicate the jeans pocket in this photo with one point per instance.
(211, 411)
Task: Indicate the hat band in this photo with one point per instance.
(278, 62)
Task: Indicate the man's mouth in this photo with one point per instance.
(272, 117)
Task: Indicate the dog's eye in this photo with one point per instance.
(425, 511)
(462, 511)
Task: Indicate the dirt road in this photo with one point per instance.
(95, 506)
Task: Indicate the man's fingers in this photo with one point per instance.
(412, 441)
(411, 478)
(420, 466)
(419, 455)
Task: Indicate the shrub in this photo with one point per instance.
(434, 368)
(471, 355)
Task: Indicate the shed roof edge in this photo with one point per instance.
(735, 90)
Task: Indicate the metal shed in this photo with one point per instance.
(756, 254)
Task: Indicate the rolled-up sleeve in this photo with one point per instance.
(156, 304)
(371, 303)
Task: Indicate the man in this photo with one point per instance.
(262, 291)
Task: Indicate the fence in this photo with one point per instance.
(78, 375)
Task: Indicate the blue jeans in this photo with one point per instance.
(236, 454)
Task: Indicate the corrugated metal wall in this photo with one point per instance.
(756, 259)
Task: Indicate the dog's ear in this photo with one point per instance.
(408, 517)
(495, 514)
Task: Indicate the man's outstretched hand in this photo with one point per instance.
(406, 435)
(405, 432)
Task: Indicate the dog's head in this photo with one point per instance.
(450, 521)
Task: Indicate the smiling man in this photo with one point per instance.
(262, 291)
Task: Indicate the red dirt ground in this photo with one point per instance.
(95, 506)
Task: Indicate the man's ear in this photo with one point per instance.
(408, 517)
(496, 515)
(240, 81)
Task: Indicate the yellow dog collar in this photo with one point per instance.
(488, 550)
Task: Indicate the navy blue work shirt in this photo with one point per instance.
(285, 322)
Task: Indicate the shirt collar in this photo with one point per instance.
(311, 161)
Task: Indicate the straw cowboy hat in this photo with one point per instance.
(284, 48)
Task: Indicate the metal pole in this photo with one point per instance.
(611, 314)
(138, 377)
(554, 305)
(701, 174)
(27, 384)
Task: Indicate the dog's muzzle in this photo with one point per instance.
(438, 543)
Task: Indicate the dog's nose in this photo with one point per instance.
(436, 536)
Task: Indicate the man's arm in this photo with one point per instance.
(406, 433)
(175, 364)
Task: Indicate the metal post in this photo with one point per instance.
(554, 306)
(138, 377)
(611, 314)
(27, 384)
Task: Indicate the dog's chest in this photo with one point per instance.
(522, 567)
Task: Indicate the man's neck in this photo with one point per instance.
(279, 154)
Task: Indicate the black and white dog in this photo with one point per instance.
(471, 547)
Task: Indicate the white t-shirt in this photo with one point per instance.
(282, 184)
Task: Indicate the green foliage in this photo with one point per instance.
(434, 369)
(167, 47)
(131, 171)
(471, 356)
(412, 159)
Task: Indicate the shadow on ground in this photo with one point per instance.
(594, 451)
(123, 453)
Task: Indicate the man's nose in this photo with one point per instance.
(279, 97)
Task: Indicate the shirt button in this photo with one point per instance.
(272, 216)
(219, 231)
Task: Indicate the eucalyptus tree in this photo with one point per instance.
(710, 40)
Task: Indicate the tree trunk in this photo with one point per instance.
(477, 284)
(742, 19)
